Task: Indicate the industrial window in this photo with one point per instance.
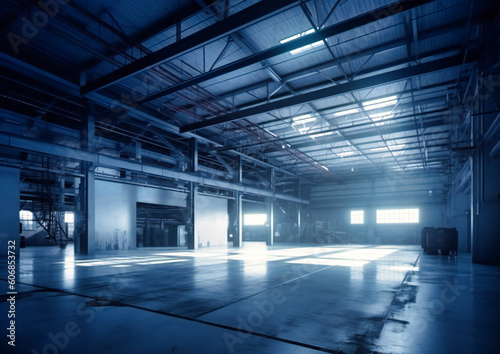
(398, 216)
(357, 217)
(254, 219)
(304, 48)
(69, 217)
(27, 219)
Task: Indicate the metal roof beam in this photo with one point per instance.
(244, 18)
(72, 89)
(376, 80)
(39, 147)
(319, 35)
(370, 134)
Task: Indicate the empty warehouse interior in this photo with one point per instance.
(245, 176)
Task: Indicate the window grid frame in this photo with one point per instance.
(398, 216)
(357, 217)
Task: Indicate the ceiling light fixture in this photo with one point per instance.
(345, 113)
(321, 134)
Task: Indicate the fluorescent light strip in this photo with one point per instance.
(387, 101)
(304, 48)
(347, 153)
(344, 113)
(321, 134)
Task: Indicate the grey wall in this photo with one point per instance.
(371, 232)
(211, 221)
(116, 211)
(333, 203)
(458, 205)
(9, 209)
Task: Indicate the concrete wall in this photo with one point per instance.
(333, 203)
(9, 209)
(371, 232)
(116, 205)
(458, 205)
(211, 219)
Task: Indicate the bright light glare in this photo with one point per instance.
(362, 254)
(381, 102)
(302, 117)
(347, 153)
(162, 262)
(304, 48)
(25, 215)
(255, 219)
(303, 130)
(403, 268)
(330, 262)
(309, 31)
(381, 116)
(69, 217)
(398, 216)
(344, 113)
(321, 134)
(186, 254)
(304, 121)
(357, 216)
(324, 167)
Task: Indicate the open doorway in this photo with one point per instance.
(160, 225)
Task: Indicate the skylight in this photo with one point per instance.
(391, 147)
(304, 48)
(344, 154)
(381, 102)
(397, 147)
(303, 119)
(347, 112)
(379, 149)
(381, 116)
(321, 134)
(303, 130)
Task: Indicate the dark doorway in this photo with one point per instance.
(160, 225)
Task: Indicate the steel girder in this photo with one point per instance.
(244, 18)
(376, 80)
(319, 35)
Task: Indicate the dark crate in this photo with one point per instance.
(439, 239)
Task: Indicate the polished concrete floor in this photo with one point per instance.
(302, 299)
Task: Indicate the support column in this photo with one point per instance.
(270, 210)
(9, 211)
(85, 220)
(138, 150)
(238, 215)
(270, 221)
(298, 208)
(191, 227)
(86, 217)
(192, 235)
(60, 207)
